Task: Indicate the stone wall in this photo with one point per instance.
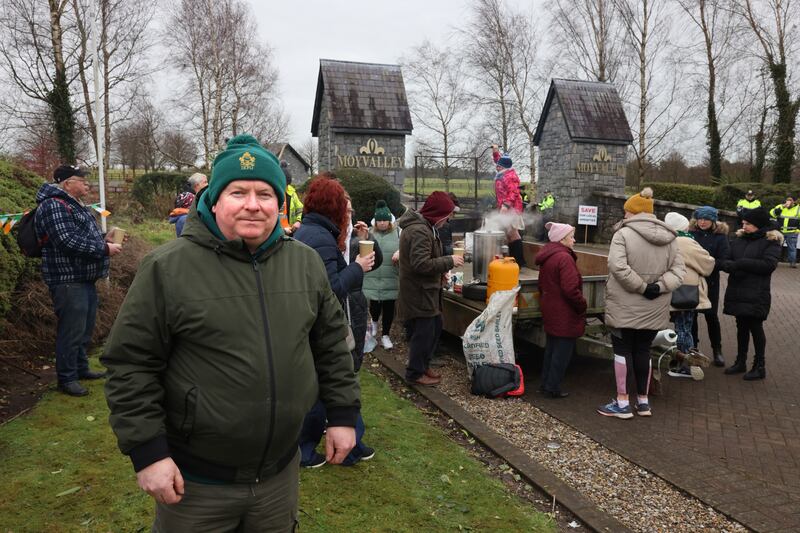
(296, 168)
(338, 149)
(611, 211)
(573, 171)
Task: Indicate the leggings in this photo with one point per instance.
(385, 308)
(745, 326)
(714, 329)
(632, 359)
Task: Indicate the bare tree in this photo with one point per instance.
(590, 33)
(310, 152)
(178, 149)
(438, 100)
(647, 25)
(123, 45)
(717, 31)
(232, 85)
(774, 24)
(487, 63)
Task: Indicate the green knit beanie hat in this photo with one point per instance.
(245, 159)
(382, 212)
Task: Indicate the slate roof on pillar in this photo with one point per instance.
(592, 110)
(366, 97)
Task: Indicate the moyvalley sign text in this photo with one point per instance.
(370, 156)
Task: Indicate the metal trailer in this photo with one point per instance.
(458, 312)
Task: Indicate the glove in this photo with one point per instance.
(652, 291)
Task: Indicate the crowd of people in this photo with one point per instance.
(227, 363)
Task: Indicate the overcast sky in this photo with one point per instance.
(380, 31)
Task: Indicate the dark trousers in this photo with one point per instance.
(714, 329)
(422, 335)
(314, 425)
(557, 354)
(268, 506)
(385, 309)
(75, 306)
(746, 326)
(632, 359)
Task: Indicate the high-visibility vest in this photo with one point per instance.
(292, 209)
(548, 203)
(744, 203)
(788, 219)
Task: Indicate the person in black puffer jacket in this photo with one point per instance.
(325, 228)
(712, 235)
(753, 256)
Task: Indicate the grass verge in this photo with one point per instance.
(62, 472)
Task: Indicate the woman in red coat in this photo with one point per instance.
(562, 303)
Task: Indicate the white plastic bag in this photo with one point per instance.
(490, 337)
(369, 342)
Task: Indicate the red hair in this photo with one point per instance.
(327, 197)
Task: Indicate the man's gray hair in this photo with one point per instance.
(196, 178)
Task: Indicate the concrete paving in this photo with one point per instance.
(731, 443)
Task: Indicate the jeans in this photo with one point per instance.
(791, 247)
(423, 335)
(76, 308)
(683, 327)
(557, 353)
(314, 426)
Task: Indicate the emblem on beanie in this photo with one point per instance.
(247, 161)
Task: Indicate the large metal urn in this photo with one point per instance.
(486, 245)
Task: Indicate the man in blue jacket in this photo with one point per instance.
(74, 256)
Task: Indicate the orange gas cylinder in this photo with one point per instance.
(503, 276)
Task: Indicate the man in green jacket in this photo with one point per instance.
(209, 381)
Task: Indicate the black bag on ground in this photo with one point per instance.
(493, 380)
(686, 297)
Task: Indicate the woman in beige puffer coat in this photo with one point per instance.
(644, 266)
(699, 264)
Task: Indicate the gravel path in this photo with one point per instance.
(634, 496)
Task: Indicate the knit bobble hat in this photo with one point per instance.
(245, 159)
(437, 206)
(676, 221)
(706, 212)
(382, 212)
(757, 217)
(504, 161)
(641, 202)
(557, 231)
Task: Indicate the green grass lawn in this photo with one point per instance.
(62, 472)
(459, 187)
(153, 230)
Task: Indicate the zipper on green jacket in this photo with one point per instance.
(271, 429)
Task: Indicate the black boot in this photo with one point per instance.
(718, 359)
(515, 250)
(739, 366)
(758, 371)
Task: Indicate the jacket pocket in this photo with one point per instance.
(189, 414)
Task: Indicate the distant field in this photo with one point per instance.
(459, 187)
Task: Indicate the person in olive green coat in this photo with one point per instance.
(226, 338)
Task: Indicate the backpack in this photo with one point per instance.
(498, 380)
(29, 243)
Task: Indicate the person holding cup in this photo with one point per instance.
(326, 227)
(382, 284)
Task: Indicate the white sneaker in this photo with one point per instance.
(386, 342)
(373, 328)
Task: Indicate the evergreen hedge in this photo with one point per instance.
(365, 189)
(156, 191)
(727, 196)
(17, 194)
(682, 193)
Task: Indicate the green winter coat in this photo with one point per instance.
(382, 284)
(215, 357)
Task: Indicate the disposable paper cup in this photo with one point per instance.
(365, 248)
(458, 251)
(118, 236)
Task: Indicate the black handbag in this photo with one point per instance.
(686, 297)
